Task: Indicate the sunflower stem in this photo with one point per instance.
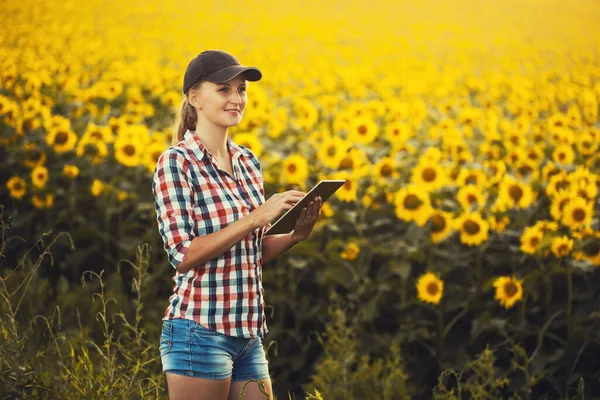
(523, 313)
(440, 333)
(71, 203)
(569, 297)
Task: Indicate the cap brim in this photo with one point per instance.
(228, 73)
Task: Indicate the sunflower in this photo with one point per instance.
(469, 116)
(397, 110)
(6, 105)
(557, 120)
(250, 141)
(538, 135)
(526, 170)
(563, 154)
(498, 222)
(374, 197)
(363, 130)
(522, 123)
(327, 210)
(463, 157)
(559, 201)
(558, 182)
(46, 201)
(17, 187)
(429, 176)
(328, 104)
(514, 155)
(295, 169)
(350, 252)
(469, 196)
(412, 204)
(385, 169)
(509, 290)
(307, 115)
(405, 148)
(496, 170)
(71, 171)
(562, 136)
(90, 147)
(341, 121)
(397, 133)
(550, 169)
(489, 151)
(348, 192)
(578, 212)
(57, 122)
(274, 128)
(468, 176)
(591, 249)
(583, 174)
(531, 240)
(574, 117)
(514, 193)
(122, 195)
(97, 188)
(473, 228)
(102, 133)
(586, 144)
(117, 125)
(514, 139)
(441, 225)
(34, 157)
(332, 150)
(62, 140)
(151, 155)
(319, 134)
(562, 246)
(39, 176)
(355, 161)
(546, 226)
(584, 190)
(430, 288)
(535, 155)
(432, 155)
(128, 151)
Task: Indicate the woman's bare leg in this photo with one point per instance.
(252, 391)
(190, 388)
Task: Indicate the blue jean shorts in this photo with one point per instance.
(187, 348)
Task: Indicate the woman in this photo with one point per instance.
(212, 216)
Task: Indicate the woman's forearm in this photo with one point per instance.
(274, 245)
(207, 247)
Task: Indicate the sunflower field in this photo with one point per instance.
(460, 260)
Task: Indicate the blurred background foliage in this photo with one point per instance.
(460, 260)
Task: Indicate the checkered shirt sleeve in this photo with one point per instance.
(174, 204)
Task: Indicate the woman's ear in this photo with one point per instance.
(194, 99)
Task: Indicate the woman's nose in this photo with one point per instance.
(237, 98)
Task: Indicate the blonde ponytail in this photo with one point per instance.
(186, 119)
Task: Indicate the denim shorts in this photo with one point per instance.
(188, 348)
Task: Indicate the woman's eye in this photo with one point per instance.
(223, 89)
(242, 89)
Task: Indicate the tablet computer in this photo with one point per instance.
(323, 189)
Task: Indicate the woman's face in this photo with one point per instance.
(221, 103)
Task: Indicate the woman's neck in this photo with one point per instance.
(213, 136)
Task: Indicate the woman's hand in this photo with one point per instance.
(307, 219)
(273, 207)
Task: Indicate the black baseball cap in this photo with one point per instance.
(216, 66)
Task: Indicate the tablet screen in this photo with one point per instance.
(324, 189)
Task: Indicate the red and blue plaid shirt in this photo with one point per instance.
(193, 198)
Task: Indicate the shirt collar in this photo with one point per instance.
(192, 141)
